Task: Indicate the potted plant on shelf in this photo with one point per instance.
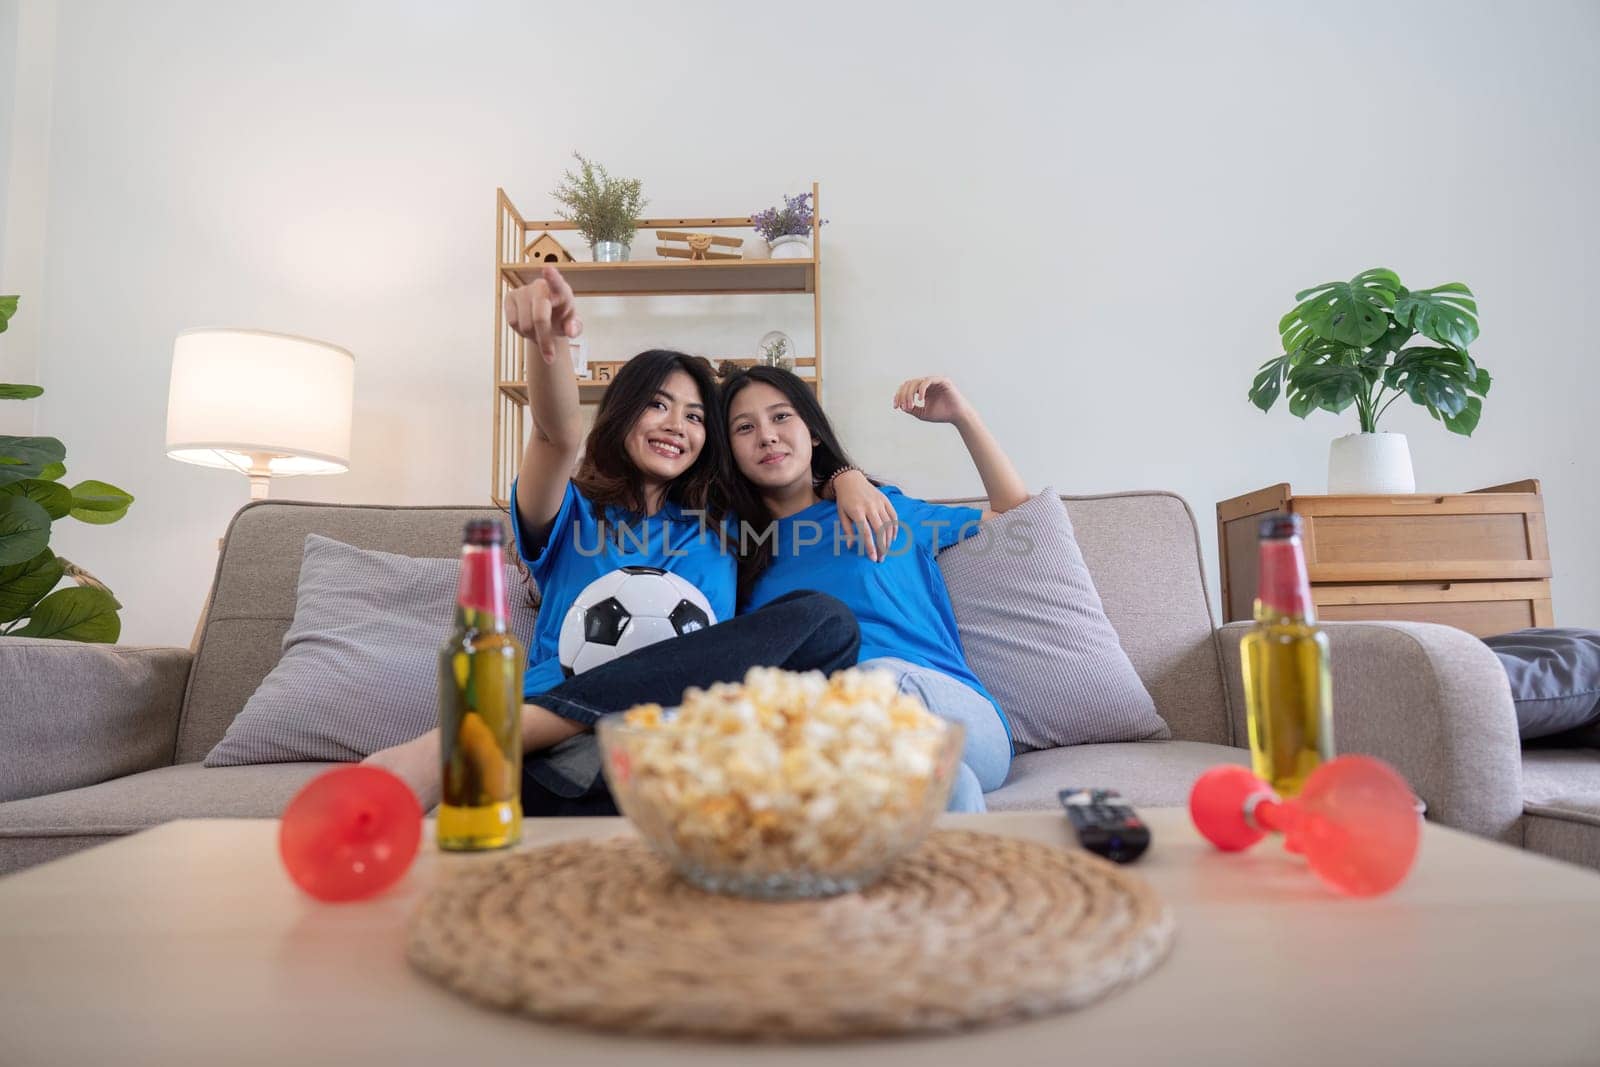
(604, 208)
(787, 229)
(1344, 343)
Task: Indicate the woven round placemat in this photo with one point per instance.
(969, 929)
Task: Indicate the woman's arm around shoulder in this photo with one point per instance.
(864, 511)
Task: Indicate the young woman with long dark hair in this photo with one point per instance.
(783, 448)
(645, 493)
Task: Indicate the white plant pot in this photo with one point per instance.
(1370, 464)
(791, 246)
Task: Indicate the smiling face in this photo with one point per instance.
(771, 445)
(670, 433)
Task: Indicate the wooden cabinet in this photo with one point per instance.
(1478, 561)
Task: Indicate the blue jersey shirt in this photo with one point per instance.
(901, 602)
(585, 544)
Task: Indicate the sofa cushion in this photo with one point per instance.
(1143, 549)
(72, 714)
(1568, 829)
(1549, 774)
(42, 828)
(1035, 634)
(140, 801)
(1554, 675)
(1147, 774)
(258, 574)
(1562, 816)
(359, 670)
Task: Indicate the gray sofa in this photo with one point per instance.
(98, 742)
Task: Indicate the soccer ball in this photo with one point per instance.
(627, 609)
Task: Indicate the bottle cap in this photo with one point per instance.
(483, 532)
(1279, 526)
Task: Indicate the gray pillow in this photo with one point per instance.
(1036, 635)
(360, 668)
(1555, 679)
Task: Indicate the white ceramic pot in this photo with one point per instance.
(790, 246)
(1375, 464)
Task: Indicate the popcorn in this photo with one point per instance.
(787, 771)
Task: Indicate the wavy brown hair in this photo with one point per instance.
(606, 474)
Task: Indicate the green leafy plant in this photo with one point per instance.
(1344, 343)
(31, 498)
(604, 208)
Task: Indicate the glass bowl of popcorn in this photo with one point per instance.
(785, 785)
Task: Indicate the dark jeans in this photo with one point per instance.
(803, 631)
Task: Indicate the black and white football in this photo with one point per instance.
(627, 609)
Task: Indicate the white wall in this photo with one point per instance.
(1092, 215)
(27, 59)
(9, 11)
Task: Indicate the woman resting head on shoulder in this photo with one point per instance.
(785, 450)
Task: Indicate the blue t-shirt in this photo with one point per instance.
(901, 602)
(585, 544)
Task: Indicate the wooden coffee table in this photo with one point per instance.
(188, 944)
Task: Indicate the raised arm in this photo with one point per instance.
(938, 400)
(546, 314)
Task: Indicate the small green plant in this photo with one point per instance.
(604, 208)
(31, 498)
(1343, 344)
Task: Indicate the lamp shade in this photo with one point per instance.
(243, 398)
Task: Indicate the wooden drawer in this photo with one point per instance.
(1404, 557)
(1480, 608)
(1404, 538)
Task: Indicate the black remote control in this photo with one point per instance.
(1106, 824)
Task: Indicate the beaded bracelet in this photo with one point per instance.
(847, 468)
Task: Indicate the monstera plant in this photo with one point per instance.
(32, 496)
(1345, 343)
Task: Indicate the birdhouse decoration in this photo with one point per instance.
(546, 249)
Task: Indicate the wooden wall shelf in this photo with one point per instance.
(589, 392)
(666, 277)
(517, 264)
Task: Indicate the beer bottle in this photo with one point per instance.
(1287, 686)
(480, 704)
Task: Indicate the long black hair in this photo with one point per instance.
(607, 475)
(827, 456)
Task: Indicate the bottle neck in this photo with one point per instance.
(1284, 590)
(481, 597)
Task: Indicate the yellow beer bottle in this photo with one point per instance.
(1288, 690)
(480, 704)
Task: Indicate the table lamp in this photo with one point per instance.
(265, 404)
